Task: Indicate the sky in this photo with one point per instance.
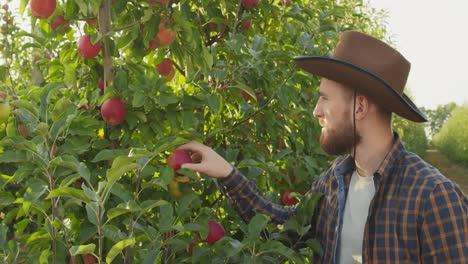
(433, 36)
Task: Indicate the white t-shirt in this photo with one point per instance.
(361, 191)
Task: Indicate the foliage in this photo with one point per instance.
(438, 117)
(412, 134)
(452, 140)
(73, 185)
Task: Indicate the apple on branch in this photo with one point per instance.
(246, 25)
(42, 8)
(158, 2)
(86, 49)
(287, 199)
(177, 158)
(59, 24)
(249, 4)
(113, 111)
(165, 36)
(166, 68)
(216, 232)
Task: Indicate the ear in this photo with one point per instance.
(362, 106)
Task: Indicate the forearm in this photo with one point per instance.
(247, 200)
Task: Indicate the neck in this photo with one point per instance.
(372, 150)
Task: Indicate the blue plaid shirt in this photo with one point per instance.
(416, 216)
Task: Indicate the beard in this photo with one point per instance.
(340, 140)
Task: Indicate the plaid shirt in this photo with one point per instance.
(416, 216)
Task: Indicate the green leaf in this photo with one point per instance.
(314, 244)
(113, 233)
(120, 166)
(26, 106)
(242, 86)
(92, 210)
(44, 257)
(148, 205)
(256, 225)
(121, 80)
(6, 198)
(109, 154)
(22, 6)
(42, 129)
(214, 102)
(166, 217)
(82, 249)
(13, 156)
(118, 247)
(166, 175)
(279, 248)
(138, 99)
(305, 207)
(69, 192)
(123, 208)
(165, 99)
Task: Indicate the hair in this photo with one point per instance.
(384, 114)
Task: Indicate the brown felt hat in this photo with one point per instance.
(370, 66)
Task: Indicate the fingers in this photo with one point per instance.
(196, 157)
(193, 167)
(193, 146)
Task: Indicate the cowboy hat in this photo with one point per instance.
(370, 66)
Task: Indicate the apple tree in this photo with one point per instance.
(99, 94)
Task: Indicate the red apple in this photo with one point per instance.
(101, 85)
(165, 36)
(216, 232)
(86, 49)
(158, 2)
(3, 96)
(246, 25)
(246, 95)
(249, 4)
(89, 259)
(166, 68)
(177, 158)
(113, 111)
(59, 21)
(5, 7)
(153, 44)
(22, 130)
(42, 8)
(287, 200)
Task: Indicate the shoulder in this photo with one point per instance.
(426, 176)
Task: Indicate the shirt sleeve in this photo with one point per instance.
(247, 200)
(445, 226)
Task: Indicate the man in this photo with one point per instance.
(381, 204)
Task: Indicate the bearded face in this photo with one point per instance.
(339, 139)
(334, 112)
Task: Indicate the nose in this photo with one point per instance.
(318, 110)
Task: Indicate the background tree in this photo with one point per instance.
(101, 92)
(452, 138)
(437, 117)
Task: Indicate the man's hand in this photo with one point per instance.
(207, 161)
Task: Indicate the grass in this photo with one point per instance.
(457, 172)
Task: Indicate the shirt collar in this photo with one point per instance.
(393, 156)
(346, 165)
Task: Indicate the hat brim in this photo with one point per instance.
(364, 81)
